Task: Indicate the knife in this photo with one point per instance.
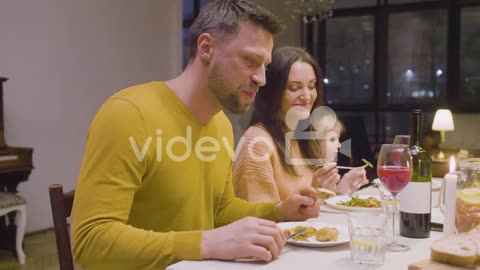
(297, 233)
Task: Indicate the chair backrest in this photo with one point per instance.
(61, 204)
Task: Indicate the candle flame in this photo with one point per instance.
(452, 164)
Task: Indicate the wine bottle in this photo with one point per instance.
(416, 197)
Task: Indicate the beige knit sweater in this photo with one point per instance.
(258, 175)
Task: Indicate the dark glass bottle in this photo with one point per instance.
(416, 198)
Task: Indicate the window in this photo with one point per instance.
(384, 58)
(349, 76)
(191, 8)
(469, 83)
(188, 10)
(356, 3)
(396, 123)
(417, 57)
(407, 1)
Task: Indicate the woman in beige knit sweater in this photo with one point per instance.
(271, 163)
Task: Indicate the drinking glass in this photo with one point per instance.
(367, 237)
(386, 199)
(390, 210)
(402, 139)
(394, 169)
(468, 195)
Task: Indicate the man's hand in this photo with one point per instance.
(246, 238)
(326, 177)
(300, 206)
(352, 181)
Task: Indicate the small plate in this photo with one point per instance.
(437, 216)
(343, 236)
(436, 183)
(333, 203)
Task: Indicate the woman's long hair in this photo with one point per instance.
(267, 103)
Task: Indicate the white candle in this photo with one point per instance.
(450, 199)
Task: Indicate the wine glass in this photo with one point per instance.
(402, 139)
(394, 169)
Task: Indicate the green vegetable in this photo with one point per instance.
(300, 237)
(305, 235)
(367, 163)
(298, 228)
(370, 202)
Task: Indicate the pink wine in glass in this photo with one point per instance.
(394, 178)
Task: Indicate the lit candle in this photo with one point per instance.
(450, 199)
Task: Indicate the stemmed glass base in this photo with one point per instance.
(394, 246)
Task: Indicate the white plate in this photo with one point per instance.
(343, 236)
(333, 203)
(436, 182)
(437, 216)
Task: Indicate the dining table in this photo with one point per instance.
(336, 257)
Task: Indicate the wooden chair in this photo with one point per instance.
(61, 204)
(10, 202)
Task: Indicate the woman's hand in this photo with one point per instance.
(352, 181)
(326, 177)
(300, 207)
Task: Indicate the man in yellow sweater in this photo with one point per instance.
(155, 183)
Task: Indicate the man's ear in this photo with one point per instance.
(205, 44)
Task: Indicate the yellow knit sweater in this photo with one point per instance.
(258, 175)
(142, 200)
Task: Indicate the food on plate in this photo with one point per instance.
(303, 237)
(323, 234)
(288, 232)
(325, 194)
(461, 249)
(370, 202)
(291, 231)
(326, 234)
(369, 164)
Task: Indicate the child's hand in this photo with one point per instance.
(352, 181)
(326, 177)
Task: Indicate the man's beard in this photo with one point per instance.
(228, 97)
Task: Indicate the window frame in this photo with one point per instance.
(316, 44)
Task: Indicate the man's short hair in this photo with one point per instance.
(221, 18)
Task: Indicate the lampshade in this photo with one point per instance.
(443, 120)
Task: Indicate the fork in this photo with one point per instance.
(347, 167)
(297, 233)
(352, 168)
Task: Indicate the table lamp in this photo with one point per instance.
(443, 121)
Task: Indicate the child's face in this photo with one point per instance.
(332, 143)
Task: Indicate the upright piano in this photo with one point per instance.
(15, 167)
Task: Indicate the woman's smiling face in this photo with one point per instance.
(301, 92)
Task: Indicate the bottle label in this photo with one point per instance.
(416, 198)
